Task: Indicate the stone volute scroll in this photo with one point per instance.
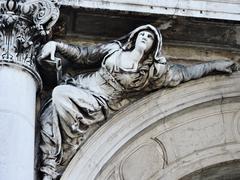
(24, 27)
(124, 68)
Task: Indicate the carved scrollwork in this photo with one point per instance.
(45, 14)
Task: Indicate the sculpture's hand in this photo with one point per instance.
(226, 66)
(48, 50)
(48, 61)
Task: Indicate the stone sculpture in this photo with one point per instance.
(127, 66)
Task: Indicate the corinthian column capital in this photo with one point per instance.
(24, 25)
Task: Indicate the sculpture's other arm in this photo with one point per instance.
(180, 73)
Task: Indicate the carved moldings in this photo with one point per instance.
(112, 176)
(23, 27)
(98, 155)
(236, 126)
(143, 161)
(163, 150)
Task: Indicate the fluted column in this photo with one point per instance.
(23, 28)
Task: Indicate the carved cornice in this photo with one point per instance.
(24, 25)
(213, 9)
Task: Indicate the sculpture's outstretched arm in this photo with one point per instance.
(180, 73)
(85, 55)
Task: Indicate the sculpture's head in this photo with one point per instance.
(144, 41)
(147, 37)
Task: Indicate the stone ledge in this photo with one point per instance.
(218, 9)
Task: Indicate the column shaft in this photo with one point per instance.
(17, 124)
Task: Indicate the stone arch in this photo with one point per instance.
(180, 130)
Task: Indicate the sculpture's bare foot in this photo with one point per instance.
(235, 67)
(47, 177)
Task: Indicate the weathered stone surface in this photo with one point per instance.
(227, 171)
(110, 25)
(186, 39)
(17, 119)
(216, 9)
(135, 165)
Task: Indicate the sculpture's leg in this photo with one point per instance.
(64, 122)
(50, 141)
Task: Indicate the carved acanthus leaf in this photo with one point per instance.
(24, 25)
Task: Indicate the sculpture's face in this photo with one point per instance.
(144, 40)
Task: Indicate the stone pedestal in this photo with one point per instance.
(17, 123)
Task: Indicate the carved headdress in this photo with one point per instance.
(128, 41)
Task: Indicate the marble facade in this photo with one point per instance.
(190, 132)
